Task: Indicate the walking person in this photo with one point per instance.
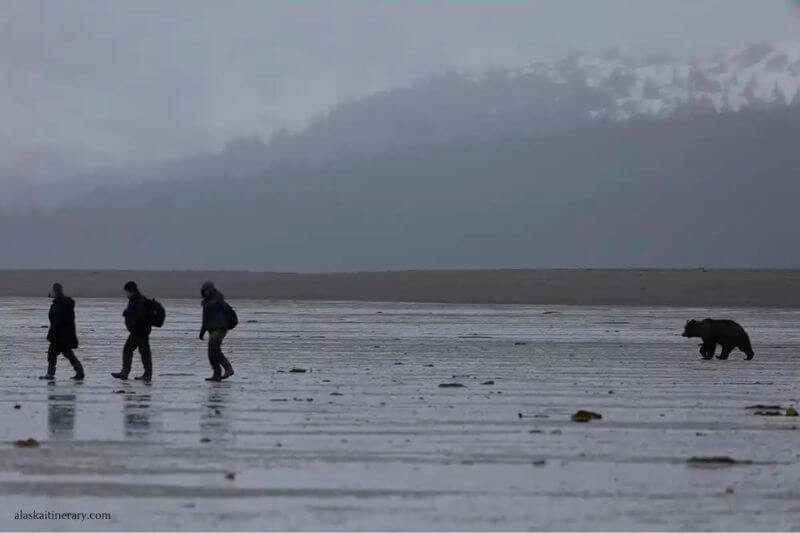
(61, 334)
(217, 320)
(138, 320)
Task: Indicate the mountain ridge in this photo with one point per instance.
(714, 190)
(537, 99)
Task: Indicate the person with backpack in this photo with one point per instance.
(139, 318)
(61, 334)
(218, 318)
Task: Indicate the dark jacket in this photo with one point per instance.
(137, 316)
(214, 316)
(62, 322)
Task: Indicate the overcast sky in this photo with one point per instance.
(90, 82)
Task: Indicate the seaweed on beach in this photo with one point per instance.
(585, 416)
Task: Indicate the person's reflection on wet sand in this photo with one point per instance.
(136, 414)
(61, 416)
(214, 425)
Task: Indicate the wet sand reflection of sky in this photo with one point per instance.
(367, 439)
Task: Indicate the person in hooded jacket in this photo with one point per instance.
(138, 320)
(215, 322)
(61, 334)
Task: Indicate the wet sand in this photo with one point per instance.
(699, 288)
(367, 439)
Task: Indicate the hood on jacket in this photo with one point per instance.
(207, 289)
(64, 300)
(211, 296)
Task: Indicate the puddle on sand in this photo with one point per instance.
(370, 443)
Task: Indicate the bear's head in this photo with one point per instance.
(690, 329)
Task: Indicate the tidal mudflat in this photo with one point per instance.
(367, 438)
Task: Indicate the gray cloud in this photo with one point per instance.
(97, 83)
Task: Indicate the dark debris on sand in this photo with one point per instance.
(721, 460)
(585, 416)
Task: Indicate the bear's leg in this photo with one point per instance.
(746, 348)
(707, 350)
(726, 351)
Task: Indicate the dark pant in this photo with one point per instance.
(52, 357)
(143, 345)
(215, 355)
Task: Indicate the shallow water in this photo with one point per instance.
(366, 438)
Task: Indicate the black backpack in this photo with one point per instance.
(230, 316)
(157, 313)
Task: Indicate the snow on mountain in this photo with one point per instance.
(551, 96)
(758, 75)
(545, 97)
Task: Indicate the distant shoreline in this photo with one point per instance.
(634, 287)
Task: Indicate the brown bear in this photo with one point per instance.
(726, 333)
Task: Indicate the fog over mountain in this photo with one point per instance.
(598, 158)
(541, 97)
(89, 85)
(716, 190)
